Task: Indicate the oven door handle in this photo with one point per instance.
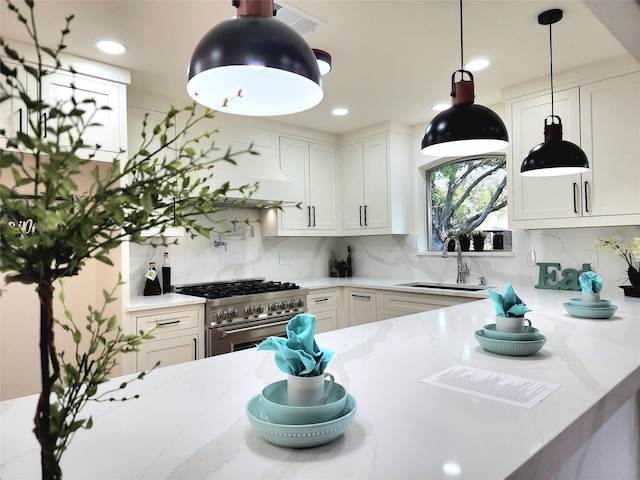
(224, 331)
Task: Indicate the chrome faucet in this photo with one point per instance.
(463, 270)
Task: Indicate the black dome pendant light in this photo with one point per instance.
(554, 156)
(262, 66)
(464, 128)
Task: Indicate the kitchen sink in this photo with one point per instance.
(446, 286)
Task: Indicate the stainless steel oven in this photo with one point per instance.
(240, 314)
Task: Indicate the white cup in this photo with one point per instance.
(513, 324)
(308, 391)
(590, 297)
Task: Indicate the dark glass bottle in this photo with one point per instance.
(166, 274)
(152, 286)
(349, 266)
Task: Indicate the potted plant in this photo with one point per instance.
(478, 238)
(148, 189)
(465, 241)
(342, 267)
(630, 252)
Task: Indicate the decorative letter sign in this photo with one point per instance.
(569, 281)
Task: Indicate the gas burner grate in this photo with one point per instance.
(235, 288)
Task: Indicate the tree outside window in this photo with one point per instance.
(467, 195)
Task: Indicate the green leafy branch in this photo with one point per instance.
(93, 362)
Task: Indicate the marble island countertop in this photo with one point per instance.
(190, 421)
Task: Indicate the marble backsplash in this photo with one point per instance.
(380, 256)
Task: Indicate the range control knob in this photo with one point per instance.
(249, 309)
(299, 303)
(291, 303)
(273, 306)
(222, 314)
(283, 305)
(232, 313)
(259, 309)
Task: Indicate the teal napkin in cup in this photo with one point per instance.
(590, 282)
(508, 304)
(298, 354)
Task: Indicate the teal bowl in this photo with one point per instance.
(275, 405)
(490, 331)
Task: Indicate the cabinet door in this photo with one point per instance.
(611, 140)
(294, 162)
(322, 187)
(167, 351)
(376, 189)
(352, 187)
(362, 307)
(13, 112)
(59, 87)
(547, 197)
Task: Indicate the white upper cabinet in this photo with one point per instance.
(109, 129)
(60, 87)
(610, 137)
(603, 118)
(312, 169)
(375, 185)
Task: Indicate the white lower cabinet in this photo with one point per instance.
(362, 306)
(178, 335)
(325, 304)
(398, 304)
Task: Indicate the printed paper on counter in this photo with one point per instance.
(519, 391)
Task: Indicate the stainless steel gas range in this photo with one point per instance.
(239, 314)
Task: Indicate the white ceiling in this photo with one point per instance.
(392, 59)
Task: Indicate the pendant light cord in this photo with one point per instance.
(551, 69)
(461, 40)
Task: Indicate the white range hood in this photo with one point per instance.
(263, 168)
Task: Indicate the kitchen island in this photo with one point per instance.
(190, 421)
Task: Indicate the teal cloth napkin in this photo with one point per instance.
(508, 304)
(298, 354)
(590, 282)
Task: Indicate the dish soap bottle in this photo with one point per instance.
(333, 264)
(166, 274)
(152, 286)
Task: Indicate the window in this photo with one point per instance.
(466, 195)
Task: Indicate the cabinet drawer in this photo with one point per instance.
(318, 300)
(408, 303)
(169, 321)
(168, 351)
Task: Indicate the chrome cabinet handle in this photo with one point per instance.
(366, 223)
(195, 348)
(355, 295)
(360, 215)
(314, 216)
(320, 300)
(308, 216)
(575, 200)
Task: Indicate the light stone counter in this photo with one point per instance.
(190, 421)
(162, 301)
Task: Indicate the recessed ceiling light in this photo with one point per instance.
(340, 111)
(111, 47)
(477, 64)
(439, 107)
